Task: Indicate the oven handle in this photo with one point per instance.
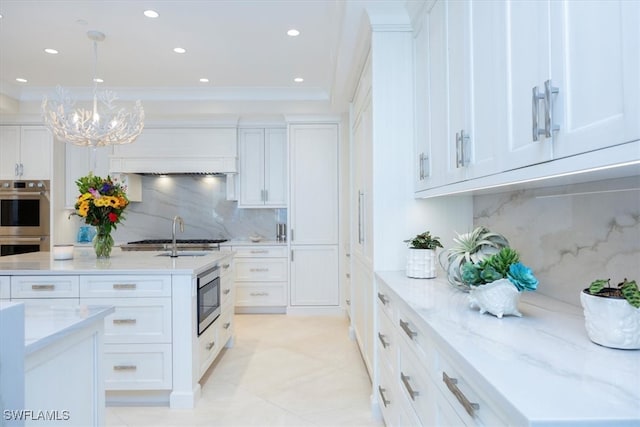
(23, 194)
(208, 276)
(10, 240)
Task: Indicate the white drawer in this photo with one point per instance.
(45, 287)
(208, 347)
(125, 286)
(260, 251)
(226, 268)
(137, 366)
(227, 294)
(5, 287)
(412, 330)
(416, 385)
(226, 325)
(56, 304)
(386, 300)
(136, 320)
(261, 270)
(388, 396)
(261, 294)
(386, 343)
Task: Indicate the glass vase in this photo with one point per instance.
(102, 242)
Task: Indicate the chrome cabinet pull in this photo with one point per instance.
(16, 170)
(125, 367)
(124, 321)
(348, 301)
(21, 169)
(383, 298)
(123, 286)
(266, 195)
(453, 388)
(407, 330)
(535, 107)
(226, 325)
(226, 291)
(421, 167)
(381, 338)
(405, 380)
(292, 235)
(385, 402)
(259, 270)
(259, 251)
(225, 266)
(426, 171)
(549, 127)
(210, 345)
(259, 294)
(43, 287)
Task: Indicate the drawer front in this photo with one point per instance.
(136, 320)
(62, 305)
(45, 287)
(226, 325)
(137, 366)
(260, 251)
(226, 268)
(5, 287)
(208, 346)
(261, 270)
(386, 342)
(416, 385)
(125, 286)
(227, 294)
(259, 294)
(386, 300)
(388, 397)
(412, 331)
(464, 396)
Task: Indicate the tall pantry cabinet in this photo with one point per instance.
(313, 216)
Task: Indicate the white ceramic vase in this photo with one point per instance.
(611, 322)
(499, 298)
(421, 263)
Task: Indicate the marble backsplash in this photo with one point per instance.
(202, 204)
(570, 235)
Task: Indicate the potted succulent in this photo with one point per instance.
(497, 281)
(471, 247)
(612, 314)
(421, 260)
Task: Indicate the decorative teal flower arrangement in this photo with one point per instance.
(503, 265)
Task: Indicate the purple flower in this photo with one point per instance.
(522, 277)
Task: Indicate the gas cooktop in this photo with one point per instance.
(165, 244)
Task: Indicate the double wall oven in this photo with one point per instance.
(24, 216)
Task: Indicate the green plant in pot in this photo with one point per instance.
(471, 247)
(612, 314)
(421, 260)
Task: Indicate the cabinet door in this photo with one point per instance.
(314, 184)
(9, 151)
(362, 180)
(423, 178)
(275, 169)
(596, 52)
(314, 276)
(35, 152)
(251, 152)
(362, 310)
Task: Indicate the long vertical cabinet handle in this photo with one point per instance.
(426, 171)
(291, 255)
(458, 148)
(421, 167)
(464, 149)
(452, 385)
(17, 170)
(549, 127)
(360, 217)
(536, 97)
(292, 234)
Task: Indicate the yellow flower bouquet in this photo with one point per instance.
(101, 203)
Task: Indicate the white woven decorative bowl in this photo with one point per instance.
(499, 298)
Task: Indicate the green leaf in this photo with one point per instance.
(598, 285)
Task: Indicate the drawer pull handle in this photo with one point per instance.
(453, 388)
(43, 287)
(210, 345)
(124, 321)
(125, 367)
(258, 270)
(383, 298)
(385, 402)
(122, 286)
(259, 294)
(225, 266)
(262, 251)
(381, 338)
(405, 380)
(226, 325)
(407, 330)
(226, 291)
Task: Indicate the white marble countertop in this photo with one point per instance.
(121, 262)
(543, 364)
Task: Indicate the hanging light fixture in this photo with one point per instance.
(104, 124)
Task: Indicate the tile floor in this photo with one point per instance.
(282, 371)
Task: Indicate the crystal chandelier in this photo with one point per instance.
(103, 124)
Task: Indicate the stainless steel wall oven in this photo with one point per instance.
(24, 216)
(208, 298)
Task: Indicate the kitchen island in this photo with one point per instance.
(153, 351)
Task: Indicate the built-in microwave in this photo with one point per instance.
(208, 284)
(24, 208)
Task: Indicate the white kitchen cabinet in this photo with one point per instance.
(263, 168)
(314, 275)
(78, 163)
(362, 309)
(65, 287)
(5, 287)
(261, 278)
(25, 152)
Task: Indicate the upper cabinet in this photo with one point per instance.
(506, 85)
(263, 168)
(25, 152)
(79, 161)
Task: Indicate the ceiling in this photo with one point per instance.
(241, 46)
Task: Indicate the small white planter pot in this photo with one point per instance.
(611, 322)
(421, 263)
(499, 298)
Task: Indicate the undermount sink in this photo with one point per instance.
(186, 253)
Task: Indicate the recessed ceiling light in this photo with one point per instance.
(21, 80)
(51, 51)
(98, 80)
(151, 13)
(293, 32)
(179, 50)
(204, 80)
(298, 80)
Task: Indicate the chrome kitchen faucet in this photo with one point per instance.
(174, 247)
